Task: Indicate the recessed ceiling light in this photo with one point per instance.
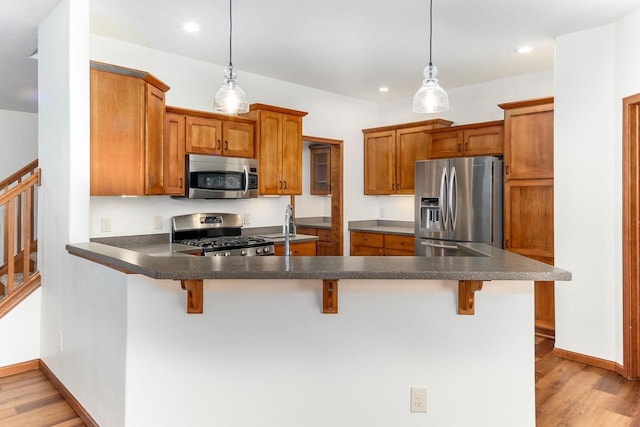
(524, 49)
(191, 27)
(383, 89)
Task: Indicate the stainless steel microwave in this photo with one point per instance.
(219, 177)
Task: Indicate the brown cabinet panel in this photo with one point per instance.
(237, 139)
(377, 244)
(411, 145)
(484, 141)
(204, 135)
(298, 249)
(367, 239)
(443, 145)
(379, 163)
(174, 147)
(529, 153)
(528, 217)
(399, 242)
(324, 248)
(324, 234)
(127, 132)
(292, 155)
(477, 139)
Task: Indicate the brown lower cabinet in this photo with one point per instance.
(380, 244)
(298, 249)
(324, 247)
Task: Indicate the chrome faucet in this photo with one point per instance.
(288, 213)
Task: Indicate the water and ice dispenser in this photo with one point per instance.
(430, 213)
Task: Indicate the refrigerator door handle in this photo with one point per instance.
(433, 245)
(444, 217)
(453, 198)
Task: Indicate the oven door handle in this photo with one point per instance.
(246, 179)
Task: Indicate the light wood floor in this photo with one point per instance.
(571, 394)
(29, 400)
(568, 394)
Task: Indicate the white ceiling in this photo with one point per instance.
(349, 47)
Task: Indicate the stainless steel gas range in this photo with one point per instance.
(218, 234)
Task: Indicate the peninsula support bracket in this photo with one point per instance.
(466, 296)
(329, 296)
(194, 290)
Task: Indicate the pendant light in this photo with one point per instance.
(430, 98)
(230, 98)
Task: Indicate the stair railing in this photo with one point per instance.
(19, 275)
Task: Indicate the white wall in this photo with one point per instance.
(83, 309)
(19, 141)
(263, 354)
(586, 205)
(330, 116)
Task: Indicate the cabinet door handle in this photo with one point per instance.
(459, 148)
(280, 185)
(506, 170)
(285, 184)
(180, 182)
(506, 244)
(466, 146)
(151, 180)
(226, 145)
(218, 145)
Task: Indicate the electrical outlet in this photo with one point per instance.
(105, 224)
(247, 218)
(60, 340)
(381, 212)
(157, 223)
(418, 399)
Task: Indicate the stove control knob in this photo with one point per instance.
(266, 250)
(227, 253)
(258, 251)
(243, 252)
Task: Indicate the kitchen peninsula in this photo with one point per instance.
(479, 263)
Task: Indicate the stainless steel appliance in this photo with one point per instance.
(457, 200)
(219, 177)
(218, 234)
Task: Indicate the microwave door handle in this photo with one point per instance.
(246, 179)
(443, 200)
(453, 198)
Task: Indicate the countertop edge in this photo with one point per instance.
(505, 266)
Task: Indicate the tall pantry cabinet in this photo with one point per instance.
(528, 194)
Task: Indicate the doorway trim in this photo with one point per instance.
(631, 236)
(337, 192)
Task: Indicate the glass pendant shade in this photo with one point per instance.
(230, 98)
(430, 98)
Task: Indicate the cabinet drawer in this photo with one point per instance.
(395, 241)
(303, 249)
(357, 250)
(367, 239)
(324, 234)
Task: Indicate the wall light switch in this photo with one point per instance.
(105, 224)
(247, 218)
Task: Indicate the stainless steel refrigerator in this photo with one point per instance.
(457, 200)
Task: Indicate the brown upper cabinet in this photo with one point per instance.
(128, 153)
(390, 153)
(218, 135)
(320, 161)
(174, 135)
(278, 148)
(478, 139)
(529, 132)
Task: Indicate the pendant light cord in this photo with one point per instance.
(430, 29)
(230, 33)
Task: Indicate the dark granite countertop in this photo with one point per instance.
(383, 226)
(496, 264)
